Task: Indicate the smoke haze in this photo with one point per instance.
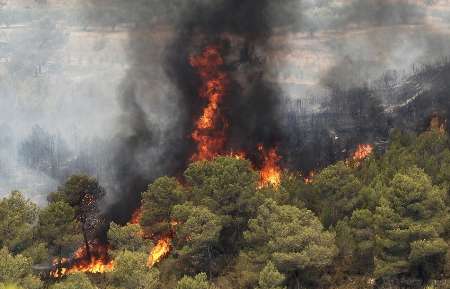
(105, 87)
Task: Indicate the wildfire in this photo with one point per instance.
(159, 251)
(210, 136)
(237, 155)
(309, 179)
(162, 247)
(209, 132)
(136, 217)
(270, 173)
(98, 263)
(437, 124)
(362, 152)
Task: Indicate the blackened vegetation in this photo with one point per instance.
(431, 97)
(363, 114)
(350, 117)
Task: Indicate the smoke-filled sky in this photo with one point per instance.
(81, 79)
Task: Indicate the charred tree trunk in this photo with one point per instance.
(59, 269)
(86, 241)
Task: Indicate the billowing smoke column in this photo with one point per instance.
(209, 89)
(238, 30)
(163, 104)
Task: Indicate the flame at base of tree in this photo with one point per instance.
(136, 217)
(163, 245)
(159, 251)
(309, 178)
(209, 132)
(270, 173)
(210, 136)
(99, 262)
(438, 124)
(362, 152)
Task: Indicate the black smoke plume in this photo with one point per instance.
(146, 150)
(160, 99)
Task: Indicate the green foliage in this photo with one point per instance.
(293, 238)
(245, 271)
(77, 187)
(197, 235)
(83, 193)
(17, 270)
(131, 272)
(270, 278)
(226, 186)
(294, 191)
(128, 237)
(361, 223)
(13, 268)
(429, 151)
(398, 156)
(423, 249)
(337, 193)
(74, 281)
(157, 203)
(432, 150)
(408, 218)
(18, 216)
(38, 253)
(9, 286)
(31, 282)
(200, 281)
(56, 197)
(58, 228)
(387, 218)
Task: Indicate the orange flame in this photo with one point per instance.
(270, 173)
(238, 155)
(136, 217)
(209, 132)
(309, 179)
(98, 263)
(362, 152)
(437, 124)
(162, 247)
(159, 251)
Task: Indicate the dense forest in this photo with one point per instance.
(381, 222)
